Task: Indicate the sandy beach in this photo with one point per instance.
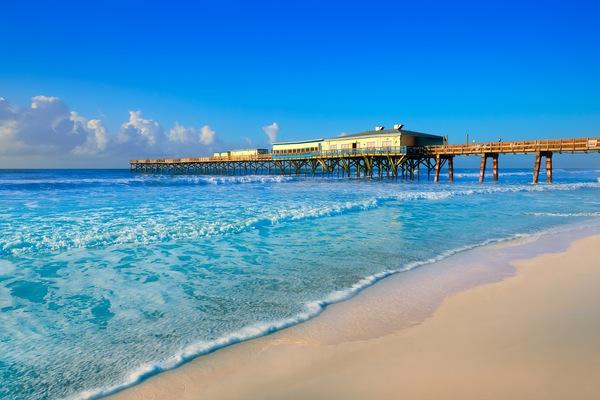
(518, 321)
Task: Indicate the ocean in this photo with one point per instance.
(108, 277)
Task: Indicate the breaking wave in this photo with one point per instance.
(153, 180)
(569, 214)
(109, 234)
(311, 310)
(476, 174)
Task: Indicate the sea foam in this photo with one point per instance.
(62, 237)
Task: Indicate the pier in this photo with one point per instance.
(406, 162)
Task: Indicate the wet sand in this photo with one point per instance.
(519, 320)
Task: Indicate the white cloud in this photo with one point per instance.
(191, 137)
(45, 101)
(207, 135)
(141, 136)
(99, 133)
(140, 130)
(47, 126)
(271, 131)
(181, 134)
(6, 109)
(8, 142)
(96, 138)
(48, 131)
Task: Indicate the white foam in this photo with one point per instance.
(51, 181)
(222, 180)
(476, 174)
(24, 242)
(149, 179)
(311, 310)
(31, 204)
(576, 171)
(561, 214)
(6, 267)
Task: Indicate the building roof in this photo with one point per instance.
(252, 149)
(367, 134)
(299, 141)
(385, 132)
(421, 134)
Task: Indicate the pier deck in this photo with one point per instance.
(388, 161)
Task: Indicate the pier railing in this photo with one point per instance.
(526, 146)
(259, 157)
(370, 151)
(366, 151)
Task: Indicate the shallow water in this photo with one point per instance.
(107, 276)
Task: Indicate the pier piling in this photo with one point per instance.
(537, 164)
(495, 166)
(438, 167)
(482, 165)
(549, 167)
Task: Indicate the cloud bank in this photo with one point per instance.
(47, 126)
(49, 130)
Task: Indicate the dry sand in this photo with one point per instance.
(533, 335)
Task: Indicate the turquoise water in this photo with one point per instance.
(107, 277)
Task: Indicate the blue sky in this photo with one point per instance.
(515, 70)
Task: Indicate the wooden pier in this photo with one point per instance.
(405, 162)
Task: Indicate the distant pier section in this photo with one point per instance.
(381, 152)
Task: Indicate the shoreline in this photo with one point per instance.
(395, 304)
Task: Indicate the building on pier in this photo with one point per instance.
(297, 148)
(379, 139)
(232, 154)
(248, 152)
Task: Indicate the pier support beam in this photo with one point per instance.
(536, 167)
(483, 164)
(495, 167)
(438, 166)
(537, 164)
(482, 168)
(549, 167)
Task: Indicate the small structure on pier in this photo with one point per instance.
(297, 148)
(233, 154)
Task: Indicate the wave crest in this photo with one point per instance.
(25, 242)
(146, 180)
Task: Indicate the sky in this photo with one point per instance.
(93, 84)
